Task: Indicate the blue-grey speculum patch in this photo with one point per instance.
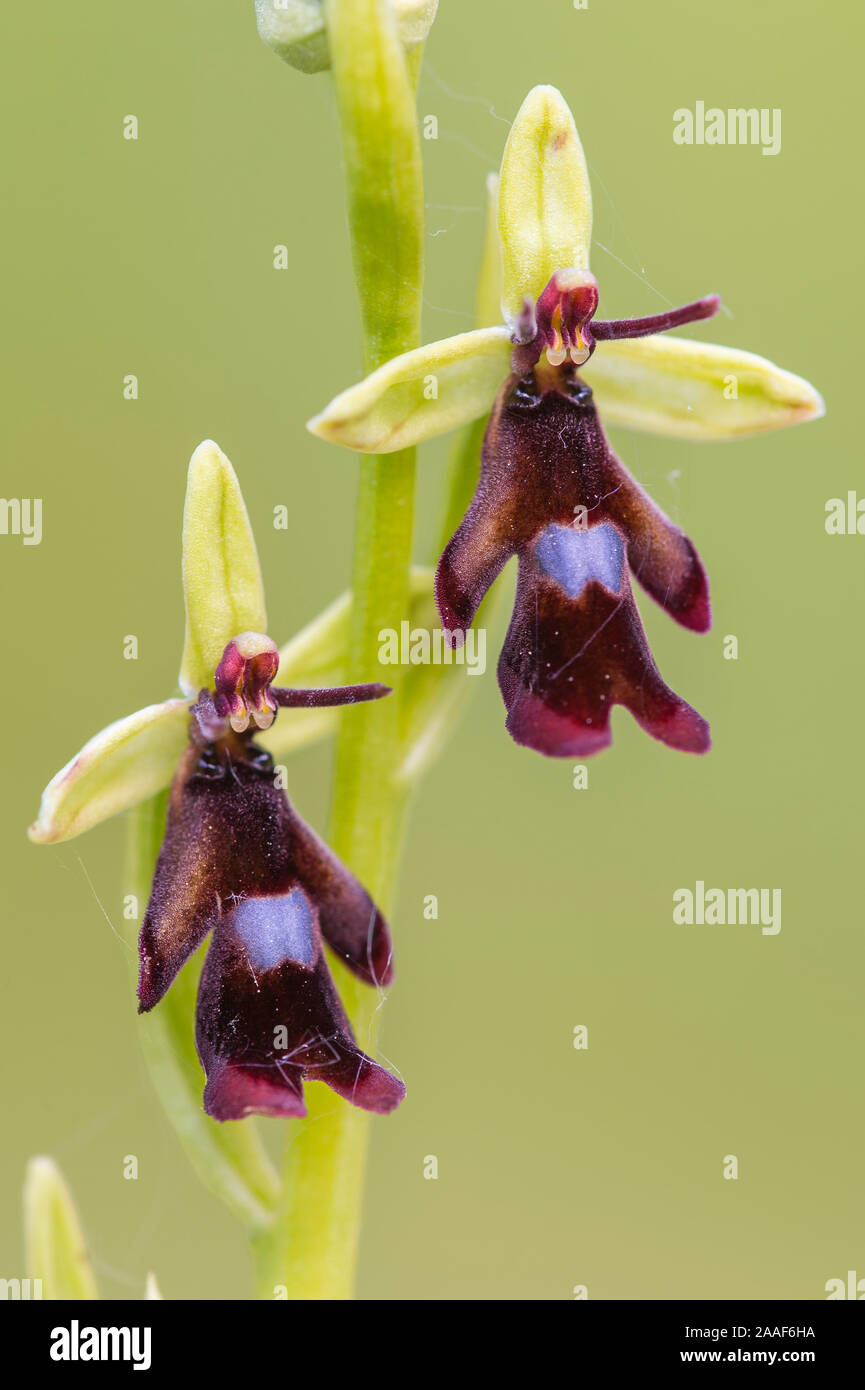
(573, 557)
(275, 929)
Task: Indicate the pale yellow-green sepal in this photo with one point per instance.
(55, 1249)
(296, 29)
(222, 586)
(132, 759)
(690, 390)
(419, 394)
(488, 295)
(545, 199)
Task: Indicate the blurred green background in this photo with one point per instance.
(556, 1167)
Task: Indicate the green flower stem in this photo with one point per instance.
(310, 1252)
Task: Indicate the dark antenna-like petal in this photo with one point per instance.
(609, 329)
(289, 698)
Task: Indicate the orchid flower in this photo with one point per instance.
(236, 858)
(551, 489)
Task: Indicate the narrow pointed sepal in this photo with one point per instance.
(419, 394)
(685, 389)
(222, 585)
(545, 200)
(269, 1016)
(125, 763)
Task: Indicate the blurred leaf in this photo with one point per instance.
(55, 1249)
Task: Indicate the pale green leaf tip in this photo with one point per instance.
(55, 1248)
(223, 590)
(151, 1287)
(806, 400)
(296, 29)
(42, 1182)
(41, 1170)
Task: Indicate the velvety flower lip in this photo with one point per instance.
(269, 1016)
(576, 646)
(237, 860)
(553, 492)
(231, 831)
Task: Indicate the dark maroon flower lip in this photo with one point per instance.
(238, 861)
(269, 1017)
(576, 646)
(231, 833)
(552, 492)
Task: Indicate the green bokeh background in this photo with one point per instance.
(556, 1167)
